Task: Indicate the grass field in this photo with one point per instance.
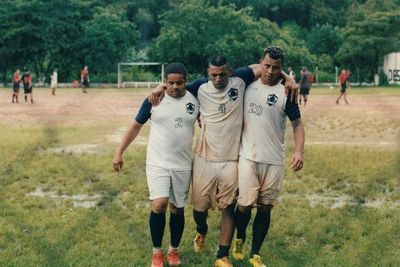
(61, 204)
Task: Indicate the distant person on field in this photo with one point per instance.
(15, 82)
(27, 81)
(54, 81)
(306, 79)
(85, 80)
(343, 84)
(291, 74)
(169, 159)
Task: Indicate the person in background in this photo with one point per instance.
(54, 81)
(27, 81)
(343, 84)
(16, 79)
(85, 79)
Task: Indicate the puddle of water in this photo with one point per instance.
(340, 201)
(78, 149)
(78, 200)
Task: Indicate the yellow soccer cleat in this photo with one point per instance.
(199, 243)
(238, 250)
(256, 261)
(223, 262)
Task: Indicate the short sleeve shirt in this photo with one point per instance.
(171, 131)
(265, 111)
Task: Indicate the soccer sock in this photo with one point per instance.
(223, 251)
(157, 225)
(26, 98)
(13, 96)
(241, 222)
(176, 226)
(260, 230)
(16, 98)
(200, 217)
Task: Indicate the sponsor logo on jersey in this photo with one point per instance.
(190, 108)
(233, 94)
(271, 100)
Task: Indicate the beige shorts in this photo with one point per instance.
(173, 184)
(259, 183)
(213, 182)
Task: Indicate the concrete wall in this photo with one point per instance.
(391, 66)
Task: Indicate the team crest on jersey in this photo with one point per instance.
(272, 99)
(233, 94)
(190, 108)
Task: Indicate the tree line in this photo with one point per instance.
(68, 34)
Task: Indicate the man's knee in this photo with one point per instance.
(159, 205)
(173, 209)
(244, 209)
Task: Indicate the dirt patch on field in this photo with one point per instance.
(70, 107)
(370, 119)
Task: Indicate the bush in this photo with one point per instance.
(383, 79)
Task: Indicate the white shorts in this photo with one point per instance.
(173, 184)
(53, 85)
(213, 182)
(259, 183)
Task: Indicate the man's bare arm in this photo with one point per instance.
(299, 139)
(129, 136)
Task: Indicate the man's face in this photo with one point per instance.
(176, 85)
(219, 76)
(270, 70)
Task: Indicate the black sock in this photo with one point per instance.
(200, 217)
(157, 225)
(26, 99)
(176, 226)
(241, 222)
(260, 230)
(223, 251)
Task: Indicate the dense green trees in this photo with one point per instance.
(68, 34)
(62, 33)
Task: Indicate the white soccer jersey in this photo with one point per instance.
(265, 111)
(221, 113)
(171, 132)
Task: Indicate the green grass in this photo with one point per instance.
(48, 231)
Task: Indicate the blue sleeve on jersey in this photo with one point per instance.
(292, 109)
(193, 87)
(244, 73)
(144, 112)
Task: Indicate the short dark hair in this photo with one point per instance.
(218, 61)
(274, 52)
(176, 67)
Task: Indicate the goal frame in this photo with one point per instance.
(120, 82)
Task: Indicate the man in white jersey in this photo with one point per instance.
(169, 159)
(262, 152)
(216, 154)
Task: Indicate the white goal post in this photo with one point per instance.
(121, 83)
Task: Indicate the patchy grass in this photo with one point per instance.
(342, 209)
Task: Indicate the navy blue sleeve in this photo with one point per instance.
(245, 73)
(292, 109)
(144, 112)
(193, 87)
